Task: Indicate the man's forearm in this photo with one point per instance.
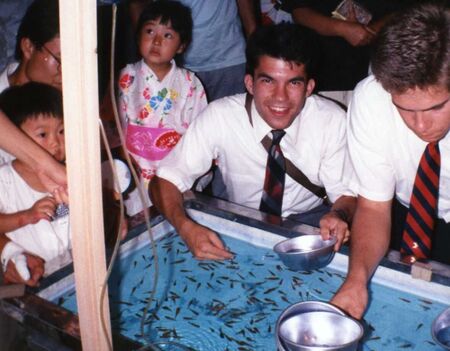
(370, 239)
(319, 23)
(18, 144)
(249, 18)
(345, 207)
(169, 202)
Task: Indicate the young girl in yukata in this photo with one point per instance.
(158, 99)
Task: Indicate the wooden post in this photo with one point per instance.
(78, 47)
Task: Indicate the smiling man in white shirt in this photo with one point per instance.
(280, 68)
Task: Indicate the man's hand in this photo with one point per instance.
(357, 34)
(331, 224)
(36, 269)
(203, 242)
(352, 298)
(53, 176)
(42, 209)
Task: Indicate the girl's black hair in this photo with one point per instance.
(169, 11)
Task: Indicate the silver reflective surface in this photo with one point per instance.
(302, 307)
(306, 252)
(440, 329)
(320, 331)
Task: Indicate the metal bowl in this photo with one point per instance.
(440, 329)
(302, 307)
(306, 252)
(320, 331)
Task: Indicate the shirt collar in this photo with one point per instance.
(147, 70)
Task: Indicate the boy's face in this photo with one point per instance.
(280, 89)
(158, 44)
(48, 132)
(425, 112)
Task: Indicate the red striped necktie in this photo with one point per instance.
(419, 225)
(272, 197)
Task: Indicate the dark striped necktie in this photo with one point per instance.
(419, 225)
(272, 197)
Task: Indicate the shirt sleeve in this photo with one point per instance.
(333, 157)
(125, 85)
(370, 113)
(196, 99)
(193, 155)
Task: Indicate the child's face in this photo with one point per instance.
(48, 132)
(158, 44)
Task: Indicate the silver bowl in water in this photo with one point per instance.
(320, 331)
(306, 252)
(440, 329)
(302, 307)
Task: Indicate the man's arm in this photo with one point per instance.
(370, 241)
(50, 172)
(354, 33)
(203, 242)
(337, 221)
(249, 17)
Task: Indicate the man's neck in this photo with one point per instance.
(18, 77)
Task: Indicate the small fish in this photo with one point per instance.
(268, 291)
(178, 261)
(406, 346)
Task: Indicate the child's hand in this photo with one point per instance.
(42, 209)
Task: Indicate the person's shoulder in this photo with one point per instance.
(370, 86)
(226, 110)
(229, 104)
(321, 106)
(128, 75)
(187, 75)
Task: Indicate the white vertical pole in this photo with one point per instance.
(78, 28)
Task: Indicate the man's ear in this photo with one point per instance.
(310, 86)
(248, 80)
(27, 48)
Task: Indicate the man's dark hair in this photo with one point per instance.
(285, 41)
(40, 24)
(413, 50)
(176, 13)
(28, 101)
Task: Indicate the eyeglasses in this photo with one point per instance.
(56, 58)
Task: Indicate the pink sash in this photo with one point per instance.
(151, 143)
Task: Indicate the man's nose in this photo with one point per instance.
(420, 121)
(281, 92)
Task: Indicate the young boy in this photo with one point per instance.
(29, 215)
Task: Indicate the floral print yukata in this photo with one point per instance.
(155, 114)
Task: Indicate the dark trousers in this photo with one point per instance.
(440, 240)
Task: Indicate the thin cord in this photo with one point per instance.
(117, 243)
(140, 192)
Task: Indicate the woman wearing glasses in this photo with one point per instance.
(37, 48)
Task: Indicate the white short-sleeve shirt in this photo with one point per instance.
(45, 239)
(314, 142)
(385, 153)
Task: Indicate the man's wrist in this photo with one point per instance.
(341, 214)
